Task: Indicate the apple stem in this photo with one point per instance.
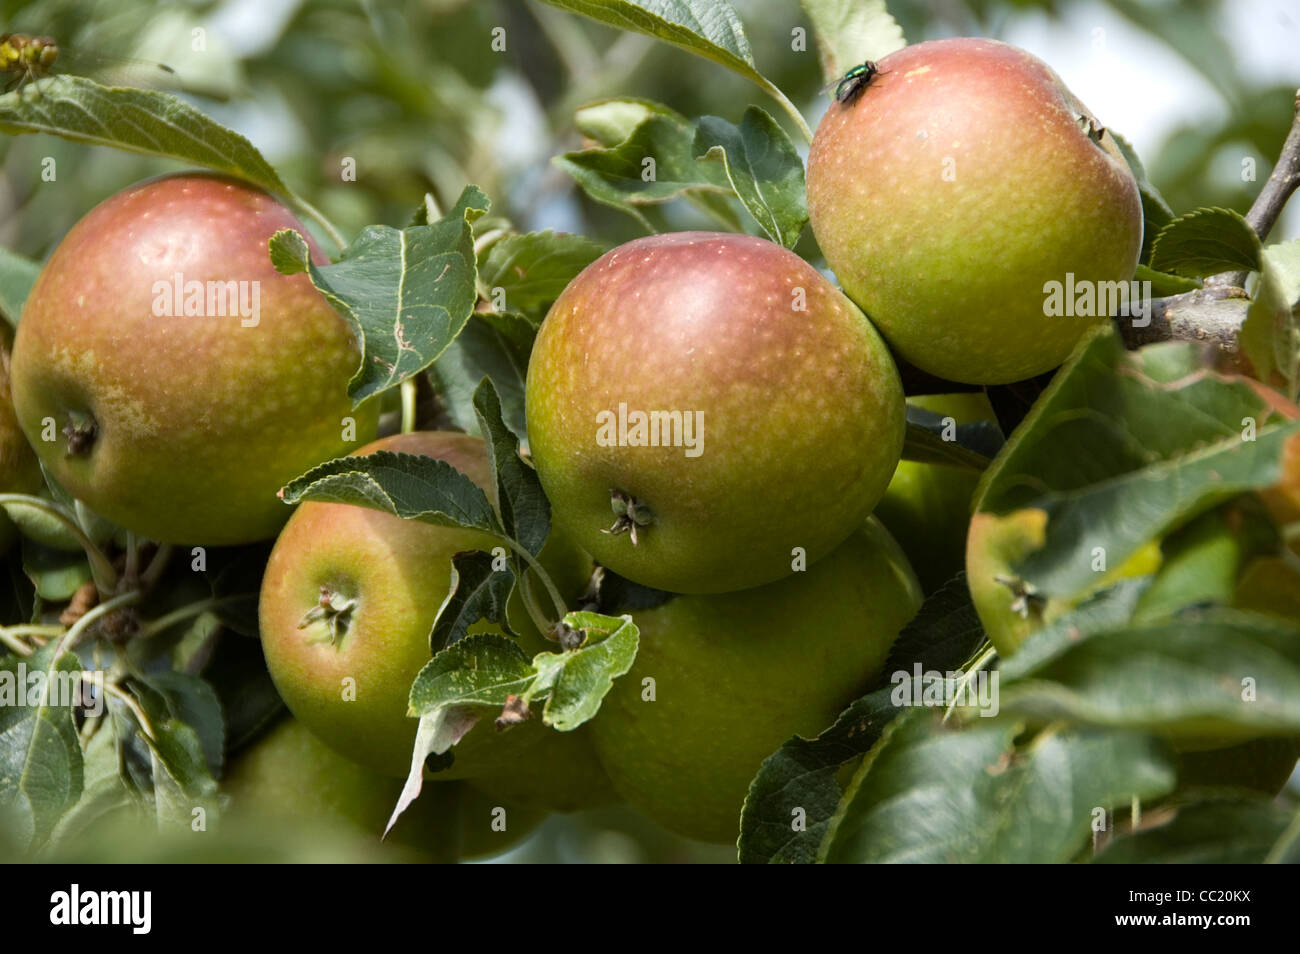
(162, 556)
(155, 626)
(790, 110)
(538, 615)
(318, 217)
(409, 395)
(542, 575)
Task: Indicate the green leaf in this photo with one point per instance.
(709, 28)
(105, 792)
(1206, 242)
(409, 486)
(1220, 673)
(850, 32)
(480, 670)
(56, 574)
(194, 702)
(182, 781)
(137, 120)
(937, 439)
(1155, 439)
(944, 634)
(525, 511)
(1107, 610)
(610, 121)
(17, 276)
(249, 701)
(764, 170)
(492, 345)
(1270, 335)
(529, 271)
(1156, 213)
(1163, 284)
(929, 792)
(654, 164)
(1219, 832)
(574, 683)
(477, 592)
(803, 773)
(41, 768)
(407, 293)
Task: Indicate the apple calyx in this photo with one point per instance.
(1089, 125)
(335, 610)
(631, 513)
(81, 432)
(1026, 600)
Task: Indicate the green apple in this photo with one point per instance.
(718, 404)
(952, 191)
(347, 672)
(561, 773)
(170, 377)
(20, 473)
(721, 681)
(290, 774)
(927, 507)
(1009, 612)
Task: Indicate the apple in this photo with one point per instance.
(953, 189)
(169, 377)
(347, 673)
(706, 410)
(721, 681)
(20, 472)
(1009, 611)
(290, 774)
(927, 507)
(560, 773)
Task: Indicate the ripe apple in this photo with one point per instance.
(927, 507)
(20, 473)
(290, 774)
(347, 674)
(170, 377)
(778, 412)
(948, 194)
(721, 681)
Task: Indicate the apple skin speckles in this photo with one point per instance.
(952, 190)
(800, 403)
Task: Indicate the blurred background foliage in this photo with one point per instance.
(412, 91)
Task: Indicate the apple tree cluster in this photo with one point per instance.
(832, 564)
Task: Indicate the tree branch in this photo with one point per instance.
(1268, 205)
(1216, 312)
(1213, 314)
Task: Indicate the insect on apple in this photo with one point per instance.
(855, 82)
